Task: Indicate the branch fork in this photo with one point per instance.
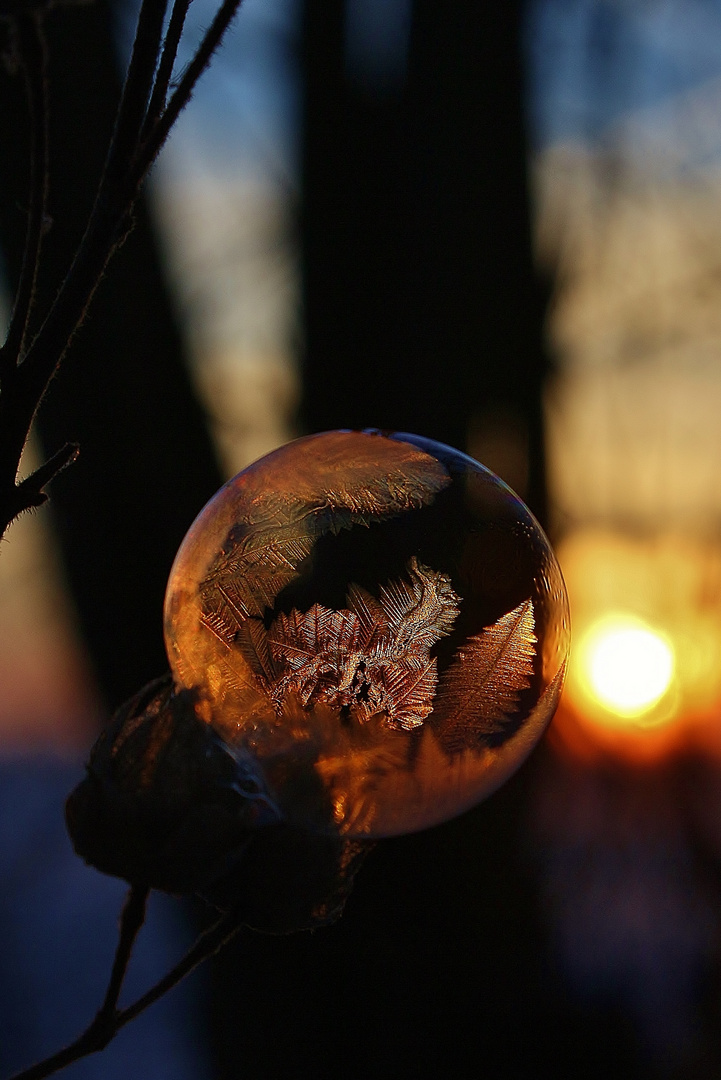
(147, 111)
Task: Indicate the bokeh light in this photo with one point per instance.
(626, 665)
(644, 674)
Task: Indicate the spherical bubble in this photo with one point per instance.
(375, 623)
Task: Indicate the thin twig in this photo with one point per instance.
(109, 224)
(165, 67)
(135, 96)
(185, 88)
(131, 921)
(104, 1026)
(208, 944)
(109, 1020)
(32, 49)
(30, 493)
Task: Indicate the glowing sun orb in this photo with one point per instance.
(628, 665)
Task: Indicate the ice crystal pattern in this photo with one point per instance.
(371, 658)
(481, 687)
(373, 621)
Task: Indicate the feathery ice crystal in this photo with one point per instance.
(374, 625)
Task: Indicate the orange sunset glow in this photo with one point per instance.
(644, 675)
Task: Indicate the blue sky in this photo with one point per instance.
(245, 112)
(591, 62)
(246, 108)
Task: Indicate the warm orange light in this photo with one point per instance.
(626, 665)
(644, 676)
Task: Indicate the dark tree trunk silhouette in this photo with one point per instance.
(422, 307)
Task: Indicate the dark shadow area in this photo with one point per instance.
(422, 309)
(146, 465)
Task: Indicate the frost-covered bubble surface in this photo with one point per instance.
(374, 624)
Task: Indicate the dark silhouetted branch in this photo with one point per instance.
(30, 44)
(142, 125)
(110, 1019)
(167, 62)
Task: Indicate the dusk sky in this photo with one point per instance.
(590, 63)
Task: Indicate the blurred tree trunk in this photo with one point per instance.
(423, 311)
(123, 393)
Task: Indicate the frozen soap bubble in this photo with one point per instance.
(373, 622)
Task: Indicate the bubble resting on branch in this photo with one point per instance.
(367, 634)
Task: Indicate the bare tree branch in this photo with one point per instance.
(136, 95)
(186, 86)
(143, 123)
(165, 67)
(31, 45)
(110, 1019)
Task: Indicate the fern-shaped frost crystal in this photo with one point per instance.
(370, 658)
(480, 689)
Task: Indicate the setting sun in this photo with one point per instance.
(628, 665)
(644, 675)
